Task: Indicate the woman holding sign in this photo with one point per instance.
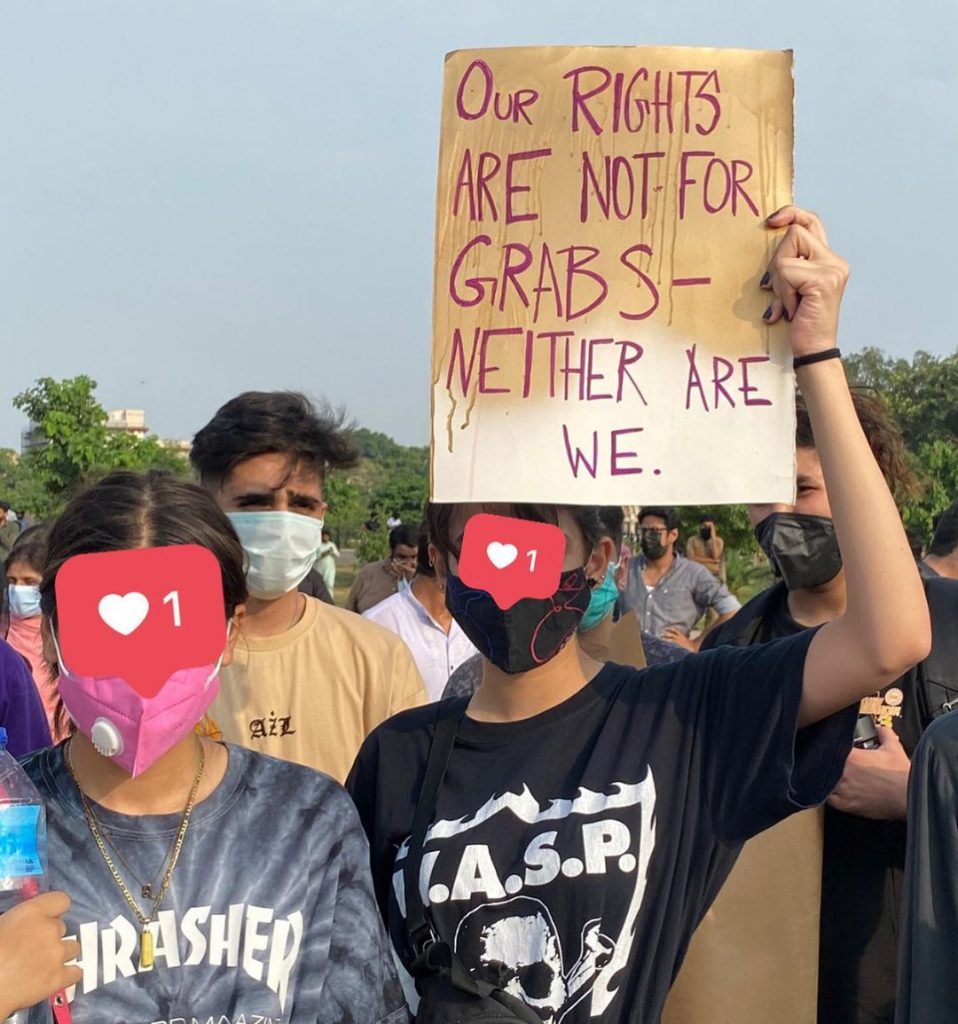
(207, 882)
(583, 817)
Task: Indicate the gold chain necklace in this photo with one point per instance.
(146, 936)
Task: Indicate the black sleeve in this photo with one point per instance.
(928, 950)
(759, 766)
(362, 785)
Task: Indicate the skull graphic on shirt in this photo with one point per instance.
(515, 945)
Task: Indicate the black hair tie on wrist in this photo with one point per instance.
(816, 357)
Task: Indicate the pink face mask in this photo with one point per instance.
(136, 731)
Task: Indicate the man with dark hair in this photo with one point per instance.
(379, 580)
(670, 593)
(707, 548)
(942, 557)
(419, 616)
(308, 680)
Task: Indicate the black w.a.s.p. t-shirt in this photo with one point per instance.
(572, 854)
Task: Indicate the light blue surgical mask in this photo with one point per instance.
(602, 601)
(281, 548)
(24, 601)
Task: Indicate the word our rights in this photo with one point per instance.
(600, 99)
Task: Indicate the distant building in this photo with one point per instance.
(30, 439)
(183, 447)
(127, 421)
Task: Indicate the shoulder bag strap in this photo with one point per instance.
(444, 737)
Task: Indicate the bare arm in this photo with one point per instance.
(885, 628)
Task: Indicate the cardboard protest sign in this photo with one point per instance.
(597, 331)
(625, 643)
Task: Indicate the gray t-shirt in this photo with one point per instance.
(270, 916)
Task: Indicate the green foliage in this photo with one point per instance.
(390, 478)
(16, 484)
(731, 521)
(747, 573)
(373, 544)
(347, 508)
(76, 445)
(923, 397)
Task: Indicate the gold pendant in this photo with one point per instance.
(146, 948)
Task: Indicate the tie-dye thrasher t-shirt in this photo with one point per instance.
(270, 916)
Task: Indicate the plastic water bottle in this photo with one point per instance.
(23, 849)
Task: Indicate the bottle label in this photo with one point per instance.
(19, 850)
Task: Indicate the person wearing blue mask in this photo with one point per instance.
(309, 680)
(20, 621)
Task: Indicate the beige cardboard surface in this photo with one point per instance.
(754, 957)
(625, 644)
(597, 332)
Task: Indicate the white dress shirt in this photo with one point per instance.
(436, 653)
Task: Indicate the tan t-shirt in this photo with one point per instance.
(754, 957)
(313, 694)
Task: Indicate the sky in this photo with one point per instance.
(200, 198)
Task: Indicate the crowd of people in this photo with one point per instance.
(424, 805)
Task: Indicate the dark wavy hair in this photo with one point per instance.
(945, 539)
(273, 422)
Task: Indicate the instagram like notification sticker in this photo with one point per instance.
(141, 615)
(511, 558)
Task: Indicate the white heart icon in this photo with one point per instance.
(502, 555)
(124, 614)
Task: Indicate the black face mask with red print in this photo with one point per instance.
(527, 635)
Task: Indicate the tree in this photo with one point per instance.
(923, 398)
(347, 510)
(16, 485)
(73, 443)
(921, 395)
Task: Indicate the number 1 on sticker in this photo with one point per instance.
(173, 597)
(531, 555)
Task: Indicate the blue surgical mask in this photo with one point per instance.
(281, 548)
(601, 602)
(24, 601)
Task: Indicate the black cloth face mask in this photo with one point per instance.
(705, 532)
(802, 550)
(527, 635)
(652, 546)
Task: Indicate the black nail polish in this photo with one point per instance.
(766, 277)
(767, 313)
